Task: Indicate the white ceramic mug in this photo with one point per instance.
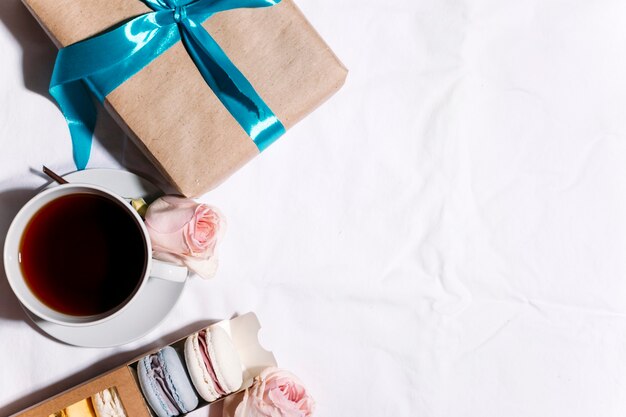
(153, 269)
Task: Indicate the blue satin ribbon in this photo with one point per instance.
(104, 62)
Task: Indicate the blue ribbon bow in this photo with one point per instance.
(104, 62)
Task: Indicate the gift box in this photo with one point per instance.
(168, 109)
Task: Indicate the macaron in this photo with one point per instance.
(165, 384)
(107, 403)
(213, 363)
(83, 408)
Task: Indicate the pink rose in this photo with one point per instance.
(185, 232)
(276, 393)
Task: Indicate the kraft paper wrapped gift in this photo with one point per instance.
(187, 132)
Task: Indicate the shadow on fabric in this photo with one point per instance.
(38, 51)
(38, 56)
(10, 203)
(101, 367)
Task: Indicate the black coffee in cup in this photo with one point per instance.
(83, 254)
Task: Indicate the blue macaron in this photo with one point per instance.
(165, 384)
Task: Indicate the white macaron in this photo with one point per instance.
(213, 363)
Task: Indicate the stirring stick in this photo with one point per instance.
(138, 204)
(56, 177)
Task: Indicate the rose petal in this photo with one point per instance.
(203, 231)
(178, 201)
(168, 242)
(167, 257)
(280, 401)
(276, 393)
(168, 215)
(187, 231)
(252, 407)
(206, 268)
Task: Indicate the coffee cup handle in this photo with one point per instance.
(168, 271)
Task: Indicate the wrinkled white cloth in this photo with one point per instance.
(444, 237)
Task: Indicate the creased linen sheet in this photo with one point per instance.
(445, 237)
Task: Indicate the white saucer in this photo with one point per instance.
(156, 300)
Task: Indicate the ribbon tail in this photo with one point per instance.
(99, 65)
(80, 114)
(231, 87)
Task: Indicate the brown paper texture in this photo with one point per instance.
(120, 378)
(188, 134)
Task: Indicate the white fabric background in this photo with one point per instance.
(445, 237)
